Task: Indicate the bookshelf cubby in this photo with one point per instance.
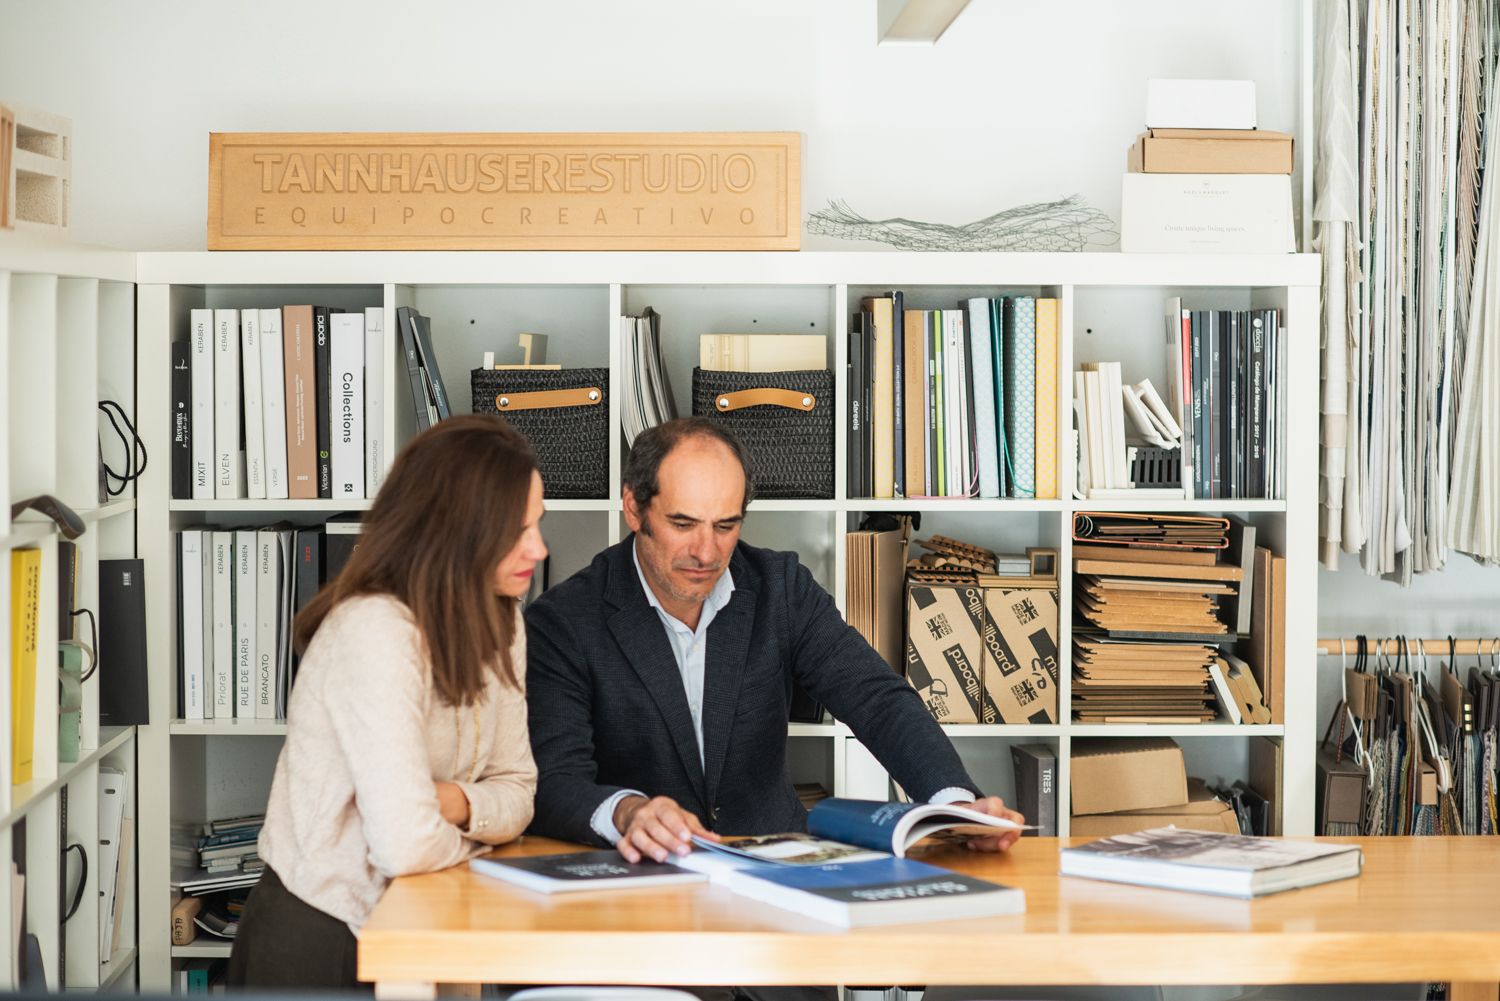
(1111, 308)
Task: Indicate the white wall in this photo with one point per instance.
(1020, 102)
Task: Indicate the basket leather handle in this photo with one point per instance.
(550, 399)
(765, 396)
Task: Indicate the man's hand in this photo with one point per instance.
(994, 806)
(655, 828)
(452, 803)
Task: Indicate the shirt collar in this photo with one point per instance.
(717, 598)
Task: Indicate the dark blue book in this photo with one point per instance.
(601, 870)
(895, 827)
(887, 891)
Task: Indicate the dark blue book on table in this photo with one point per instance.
(601, 870)
(895, 827)
(886, 891)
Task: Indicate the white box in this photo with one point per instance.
(1200, 104)
(1206, 214)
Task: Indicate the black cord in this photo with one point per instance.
(135, 450)
(93, 650)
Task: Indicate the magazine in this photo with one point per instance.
(1232, 865)
(600, 870)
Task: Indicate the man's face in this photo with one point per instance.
(686, 536)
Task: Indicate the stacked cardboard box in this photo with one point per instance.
(1124, 785)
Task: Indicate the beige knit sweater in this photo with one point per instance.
(352, 802)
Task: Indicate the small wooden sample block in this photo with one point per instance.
(36, 165)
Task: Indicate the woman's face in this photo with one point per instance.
(513, 575)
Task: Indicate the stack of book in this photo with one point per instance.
(1154, 602)
(218, 855)
(281, 403)
(1203, 177)
(646, 393)
(953, 402)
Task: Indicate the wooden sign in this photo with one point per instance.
(504, 191)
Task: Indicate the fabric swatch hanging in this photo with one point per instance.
(1410, 234)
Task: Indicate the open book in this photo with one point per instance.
(859, 830)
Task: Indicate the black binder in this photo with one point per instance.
(122, 643)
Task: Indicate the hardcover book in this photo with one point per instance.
(885, 891)
(601, 870)
(1231, 865)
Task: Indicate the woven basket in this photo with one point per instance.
(790, 440)
(570, 432)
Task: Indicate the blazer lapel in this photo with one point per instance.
(643, 639)
(724, 671)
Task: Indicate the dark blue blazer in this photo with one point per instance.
(608, 710)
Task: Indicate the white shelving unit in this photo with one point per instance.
(67, 333)
(1111, 308)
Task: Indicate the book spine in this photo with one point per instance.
(229, 480)
(1255, 383)
(182, 420)
(936, 443)
(254, 416)
(414, 367)
(324, 416)
(427, 353)
(1215, 348)
(223, 624)
(1048, 320)
(202, 344)
(1231, 375)
(122, 634)
(25, 612)
(997, 357)
(914, 372)
(966, 408)
(1199, 383)
(1020, 409)
(301, 411)
(347, 404)
(983, 371)
(244, 624)
(273, 394)
(267, 620)
(190, 622)
(867, 389)
(898, 391)
(882, 415)
(852, 369)
(375, 360)
(309, 573)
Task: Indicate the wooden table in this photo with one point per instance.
(1425, 909)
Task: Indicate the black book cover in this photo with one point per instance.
(1257, 402)
(182, 422)
(413, 366)
(122, 643)
(898, 353)
(67, 588)
(1229, 336)
(423, 328)
(867, 388)
(308, 557)
(182, 680)
(1214, 347)
(854, 371)
(1036, 787)
(596, 865)
(340, 539)
(1201, 452)
(320, 393)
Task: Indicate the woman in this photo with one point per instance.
(406, 747)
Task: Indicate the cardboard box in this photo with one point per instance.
(1020, 655)
(1120, 774)
(1212, 151)
(1202, 812)
(944, 651)
(1206, 213)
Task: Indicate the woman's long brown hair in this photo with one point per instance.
(452, 506)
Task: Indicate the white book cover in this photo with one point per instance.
(968, 475)
(273, 403)
(346, 403)
(1083, 464)
(244, 623)
(1099, 473)
(229, 480)
(954, 444)
(190, 622)
(1157, 407)
(984, 397)
(206, 603)
(255, 428)
(202, 355)
(375, 359)
(112, 794)
(268, 606)
(1206, 214)
(223, 633)
(1114, 422)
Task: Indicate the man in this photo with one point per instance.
(659, 678)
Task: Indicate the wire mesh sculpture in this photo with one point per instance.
(1067, 225)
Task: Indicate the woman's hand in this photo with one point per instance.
(452, 803)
